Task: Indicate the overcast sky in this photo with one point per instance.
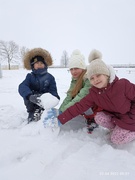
(58, 25)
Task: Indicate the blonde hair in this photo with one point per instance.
(79, 84)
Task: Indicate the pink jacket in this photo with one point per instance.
(117, 99)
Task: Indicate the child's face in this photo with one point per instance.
(76, 72)
(39, 65)
(99, 80)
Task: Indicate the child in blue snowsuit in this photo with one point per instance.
(38, 82)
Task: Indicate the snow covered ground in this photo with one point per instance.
(30, 152)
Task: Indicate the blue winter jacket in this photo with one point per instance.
(38, 83)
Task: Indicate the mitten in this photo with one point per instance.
(35, 99)
(51, 118)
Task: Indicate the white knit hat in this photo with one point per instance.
(77, 60)
(97, 66)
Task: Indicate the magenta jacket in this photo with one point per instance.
(117, 100)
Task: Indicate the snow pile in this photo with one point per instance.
(48, 100)
(29, 151)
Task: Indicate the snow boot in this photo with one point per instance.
(36, 115)
(91, 125)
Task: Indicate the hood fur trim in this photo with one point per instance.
(37, 52)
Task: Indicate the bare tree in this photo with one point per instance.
(22, 52)
(64, 59)
(9, 52)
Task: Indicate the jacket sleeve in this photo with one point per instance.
(68, 101)
(24, 88)
(129, 90)
(78, 108)
(53, 87)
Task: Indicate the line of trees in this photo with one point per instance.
(12, 53)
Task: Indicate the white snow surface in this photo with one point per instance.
(31, 152)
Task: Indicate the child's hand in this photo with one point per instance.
(51, 119)
(35, 99)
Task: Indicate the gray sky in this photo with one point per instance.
(58, 25)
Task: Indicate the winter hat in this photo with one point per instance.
(77, 60)
(97, 66)
(37, 54)
(37, 59)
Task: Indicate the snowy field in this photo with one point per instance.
(30, 152)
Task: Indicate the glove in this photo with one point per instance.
(51, 119)
(35, 99)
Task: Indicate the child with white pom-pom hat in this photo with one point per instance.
(79, 87)
(115, 97)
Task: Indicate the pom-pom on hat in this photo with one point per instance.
(97, 66)
(77, 60)
(36, 54)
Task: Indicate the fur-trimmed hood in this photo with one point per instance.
(37, 52)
